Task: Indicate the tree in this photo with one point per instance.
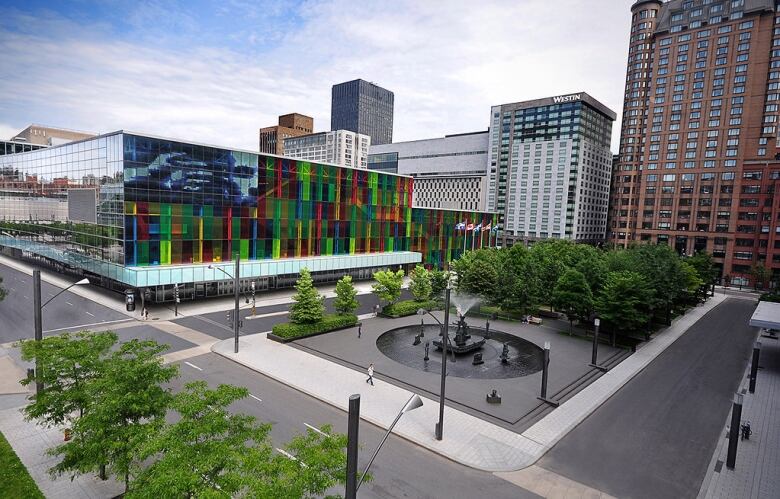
(346, 301)
(702, 262)
(518, 287)
(439, 280)
(211, 451)
(308, 307)
(573, 297)
(760, 274)
(388, 285)
(693, 282)
(549, 259)
(128, 405)
(420, 283)
(621, 302)
(69, 363)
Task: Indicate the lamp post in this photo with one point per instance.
(236, 294)
(38, 310)
(545, 371)
(413, 403)
(445, 338)
(595, 353)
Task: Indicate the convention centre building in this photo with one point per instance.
(146, 213)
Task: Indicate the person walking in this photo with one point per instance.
(360, 329)
(146, 314)
(370, 374)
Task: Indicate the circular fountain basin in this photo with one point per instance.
(524, 357)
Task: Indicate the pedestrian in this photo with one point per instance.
(360, 329)
(143, 313)
(146, 314)
(370, 374)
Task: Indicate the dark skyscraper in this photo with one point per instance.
(363, 107)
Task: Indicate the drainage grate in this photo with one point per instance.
(718, 466)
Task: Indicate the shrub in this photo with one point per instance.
(408, 307)
(329, 322)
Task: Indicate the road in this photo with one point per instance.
(656, 436)
(67, 311)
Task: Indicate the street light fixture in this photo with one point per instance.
(38, 311)
(413, 403)
(236, 293)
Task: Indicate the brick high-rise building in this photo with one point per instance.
(698, 163)
(290, 125)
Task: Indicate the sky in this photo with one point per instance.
(215, 71)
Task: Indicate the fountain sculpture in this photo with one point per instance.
(463, 342)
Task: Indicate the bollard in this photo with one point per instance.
(754, 367)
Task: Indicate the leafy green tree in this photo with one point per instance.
(388, 285)
(207, 451)
(308, 307)
(346, 296)
(420, 283)
(621, 301)
(703, 263)
(549, 259)
(760, 275)
(72, 361)
(128, 403)
(439, 279)
(573, 297)
(693, 282)
(518, 287)
(478, 273)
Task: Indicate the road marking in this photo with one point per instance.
(92, 315)
(193, 366)
(69, 303)
(86, 325)
(307, 425)
(26, 297)
(258, 399)
(262, 316)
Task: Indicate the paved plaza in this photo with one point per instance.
(519, 407)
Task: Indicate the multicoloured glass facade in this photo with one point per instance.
(185, 204)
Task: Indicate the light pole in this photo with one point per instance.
(595, 352)
(236, 293)
(736, 419)
(38, 310)
(445, 338)
(413, 403)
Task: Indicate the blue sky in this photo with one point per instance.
(216, 71)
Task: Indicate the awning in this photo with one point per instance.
(767, 315)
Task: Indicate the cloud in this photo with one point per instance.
(446, 62)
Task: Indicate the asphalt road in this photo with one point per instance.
(655, 437)
(66, 311)
(402, 469)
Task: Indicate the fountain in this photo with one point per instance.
(463, 342)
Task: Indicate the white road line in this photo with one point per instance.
(25, 297)
(92, 315)
(86, 325)
(307, 425)
(193, 366)
(69, 303)
(258, 399)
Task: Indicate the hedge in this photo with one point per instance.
(329, 322)
(408, 307)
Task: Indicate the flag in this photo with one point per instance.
(470, 227)
(460, 226)
(478, 228)
(487, 227)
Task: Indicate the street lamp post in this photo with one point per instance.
(236, 294)
(445, 338)
(736, 419)
(38, 321)
(595, 352)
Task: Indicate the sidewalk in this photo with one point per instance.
(467, 439)
(756, 474)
